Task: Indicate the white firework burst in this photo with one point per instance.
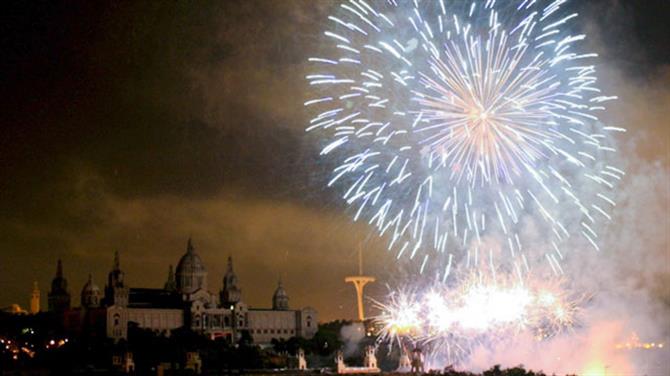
(447, 321)
(458, 127)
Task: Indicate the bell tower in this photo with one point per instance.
(59, 297)
(170, 284)
(116, 292)
(231, 293)
(35, 299)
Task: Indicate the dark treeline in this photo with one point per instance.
(34, 345)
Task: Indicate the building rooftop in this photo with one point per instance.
(153, 298)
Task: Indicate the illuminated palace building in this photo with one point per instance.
(184, 301)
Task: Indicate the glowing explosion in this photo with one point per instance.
(452, 320)
(461, 131)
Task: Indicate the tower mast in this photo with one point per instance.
(359, 281)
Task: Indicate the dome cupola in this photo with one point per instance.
(191, 274)
(280, 298)
(90, 294)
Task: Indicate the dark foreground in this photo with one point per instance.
(494, 371)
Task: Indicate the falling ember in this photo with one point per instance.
(634, 343)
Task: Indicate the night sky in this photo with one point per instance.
(131, 126)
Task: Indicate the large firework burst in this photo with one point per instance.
(457, 127)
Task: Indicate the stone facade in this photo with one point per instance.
(184, 302)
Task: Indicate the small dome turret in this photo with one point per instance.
(90, 294)
(280, 298)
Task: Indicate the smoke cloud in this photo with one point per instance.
(630, 275)
(351, 335)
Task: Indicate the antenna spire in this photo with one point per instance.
(359, 281)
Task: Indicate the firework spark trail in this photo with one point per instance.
(453, 124)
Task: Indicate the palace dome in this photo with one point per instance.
(90, 294)
(280, 298)
(90, 287)
(191, 272)
(280, 292)
(190, 262)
